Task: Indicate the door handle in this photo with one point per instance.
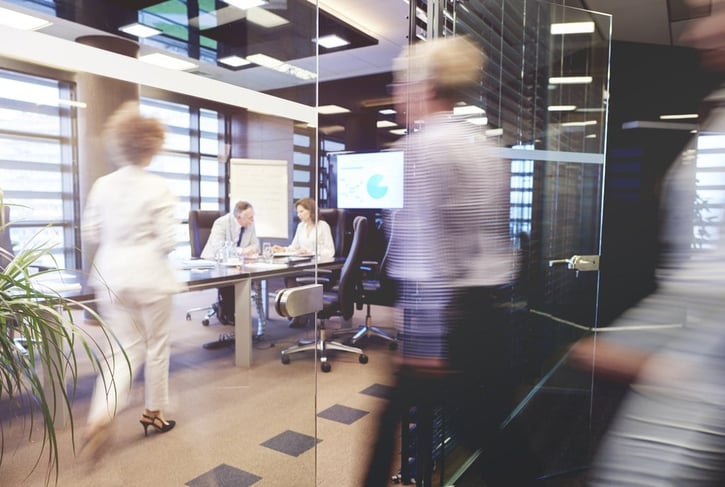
(584, 263)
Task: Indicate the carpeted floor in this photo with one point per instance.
(271, 425)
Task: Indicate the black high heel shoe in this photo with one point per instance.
(158, 423)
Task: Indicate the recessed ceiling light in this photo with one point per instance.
(234, 61)
(265, 18)
(572, 28)
(590, 136)
(332, 41)
(140, 30)
(13, 18)
(381, 124)
(387, 111)
(169, 62)
(570, 80)
(331, 109)
(245, 4)
(399, 131)
(561, 108)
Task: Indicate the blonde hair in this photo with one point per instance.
(449, 63)
(132, 138)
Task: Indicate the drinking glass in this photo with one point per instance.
(267, 252)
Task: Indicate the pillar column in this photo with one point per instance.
(102, 97)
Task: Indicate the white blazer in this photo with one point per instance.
(130, 216)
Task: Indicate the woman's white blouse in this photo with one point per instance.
(316, 239)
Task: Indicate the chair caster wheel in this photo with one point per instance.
(325, 366)
(205, 322)
(285, 359)
(188, 316)
(393, 346)
(363, 359)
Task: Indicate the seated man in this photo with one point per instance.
(238, 228)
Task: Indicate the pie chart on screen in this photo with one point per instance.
(376, 187)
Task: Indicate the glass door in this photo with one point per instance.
(545, 97)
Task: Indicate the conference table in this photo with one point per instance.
(197, 275)
(200, 275)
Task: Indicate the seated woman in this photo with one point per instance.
(312, 237)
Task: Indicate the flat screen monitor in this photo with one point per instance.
(366, 180)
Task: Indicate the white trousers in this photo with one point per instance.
(141, 324)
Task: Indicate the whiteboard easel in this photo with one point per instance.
(263, 183)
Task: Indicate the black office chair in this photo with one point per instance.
(339, 301)
(375, 289)
(200, 223)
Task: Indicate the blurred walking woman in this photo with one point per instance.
(130, 216)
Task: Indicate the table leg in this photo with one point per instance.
(243, 324)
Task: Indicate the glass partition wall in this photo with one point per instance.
(234, 424)
(543, 94)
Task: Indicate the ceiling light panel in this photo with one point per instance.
(332, 41)
(234, 61)
(572, 28)
(139, 30)
(18, 20)
(245, 4)
(331, 109)
(265, 18)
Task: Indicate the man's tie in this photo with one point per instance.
(239, 240)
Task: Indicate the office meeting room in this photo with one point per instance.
(330, 242)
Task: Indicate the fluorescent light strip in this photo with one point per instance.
(13, 18)
(579, 124)
(169, 62)
(570, 80)
(572, 28)
(399, 131)
(387, 111)
(494, 132)
(381, 124)
(561, 108)
(679, 116)
(140, 30)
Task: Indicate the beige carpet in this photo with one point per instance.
(224, 415)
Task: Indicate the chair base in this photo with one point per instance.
(322, 345)
(366, 331)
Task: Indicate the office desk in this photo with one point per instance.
(197, 279)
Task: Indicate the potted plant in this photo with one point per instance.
(40, 345)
